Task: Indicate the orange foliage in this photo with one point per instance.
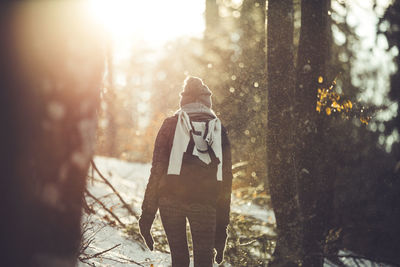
(331, 101)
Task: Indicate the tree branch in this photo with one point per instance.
(105, 208)
(99, 253)
(131, 212)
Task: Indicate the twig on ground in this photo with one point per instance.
(131, 212)
(105, 208)
(95, 179)
(99, 253)
(86, 241)
(88, 234)
(89, 263)
(86, 207)
(130, 261)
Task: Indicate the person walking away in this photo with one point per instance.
(191, 179)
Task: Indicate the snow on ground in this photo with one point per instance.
(255, 211)
(130, 180)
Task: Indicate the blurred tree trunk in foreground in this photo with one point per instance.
(300, 192)
(51, 69)
(280, 143)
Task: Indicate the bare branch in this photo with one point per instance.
(105, 208)
(130, 261)
(87, 236)
(99, 253)
(128, 207)
(86, 207)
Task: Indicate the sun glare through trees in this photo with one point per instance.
(292, 128)
(151, 21)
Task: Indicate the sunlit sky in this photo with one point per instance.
(153, 22)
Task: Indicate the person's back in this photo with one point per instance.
(191, 178)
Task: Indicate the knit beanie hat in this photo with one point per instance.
(194, 90)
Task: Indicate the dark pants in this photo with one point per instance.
(202, 219)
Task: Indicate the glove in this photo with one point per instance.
(144, 228)
(220, 241)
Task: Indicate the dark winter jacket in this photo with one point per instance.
(158, 182)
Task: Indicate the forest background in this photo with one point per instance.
(308, 91)
(349, 154)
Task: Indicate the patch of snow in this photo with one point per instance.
(253, 210)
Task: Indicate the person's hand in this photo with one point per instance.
(144, 227)
(220, 241)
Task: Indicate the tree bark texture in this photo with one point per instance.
(252, 81)
(315, 189)
(51, 70)
(280, 131)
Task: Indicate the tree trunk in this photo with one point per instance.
(315, 192)
(392, 15)
(51, 69)
(110, 99)
(211, 20)
(280, 143)
(252, 83)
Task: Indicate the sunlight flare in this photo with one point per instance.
(154, 21)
